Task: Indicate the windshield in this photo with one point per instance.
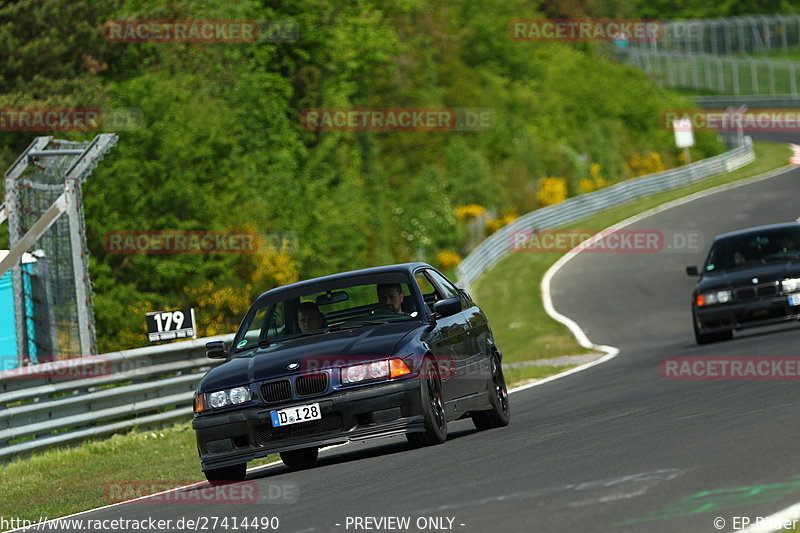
(323, 309)
(753, 249)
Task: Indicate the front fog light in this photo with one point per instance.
(239, 395)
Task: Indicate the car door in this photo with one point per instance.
(444, 339)
(463, 345)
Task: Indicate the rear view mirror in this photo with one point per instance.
(331, 297)
(692, 270)
(216, 350)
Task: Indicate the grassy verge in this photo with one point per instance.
(64, 481)
(59, 482)
(510, 295)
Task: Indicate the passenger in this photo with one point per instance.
(309, 317)
(390, 297)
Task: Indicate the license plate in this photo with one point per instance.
(794, 299)
(295, 415)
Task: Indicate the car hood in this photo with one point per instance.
(310, 353)
(732, 279)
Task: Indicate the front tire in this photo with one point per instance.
(228, 474)
(432, 408)
(300, 458)
(500, 413)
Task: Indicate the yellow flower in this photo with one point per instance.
(469, 211)
(551, 191)
(446, 259)
(649, 163)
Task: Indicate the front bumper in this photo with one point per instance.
(726, 317)
(238, 436)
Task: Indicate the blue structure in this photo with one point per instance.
(9, 354)
(8, 330)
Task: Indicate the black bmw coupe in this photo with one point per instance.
(371, 353)
(750, 278)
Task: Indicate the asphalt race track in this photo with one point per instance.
(612, 448)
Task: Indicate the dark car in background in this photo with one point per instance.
(371, 353)
(750, 278)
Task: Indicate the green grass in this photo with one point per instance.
(792, 54)
(510, 294)
(64, 481)
(59, 482)
(520, 376)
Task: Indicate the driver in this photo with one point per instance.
(309, 317)
(390, 297)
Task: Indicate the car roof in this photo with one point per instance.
(759, 229)
(406, 268)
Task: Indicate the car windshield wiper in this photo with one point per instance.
(358, 324)
(779, 257)
(263, 343)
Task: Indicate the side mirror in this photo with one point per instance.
(691, 270)
(447, 307)
(216, 350)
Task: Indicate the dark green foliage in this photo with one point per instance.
(222, 147)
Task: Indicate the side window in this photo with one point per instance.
(448, 290)
(429, 292)
(256, 326)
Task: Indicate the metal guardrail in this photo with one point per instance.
(725, 75)
(77, 399)
(731, 35)
(89, 397)
(494, 247)
(779, 101)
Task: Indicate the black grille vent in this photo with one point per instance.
(311, 384)
(745, 294)
(760, 291)
(277, 391)
(329, 422)
(767, 291)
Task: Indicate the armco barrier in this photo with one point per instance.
(69, 401)
(77, 399)
(576, 208)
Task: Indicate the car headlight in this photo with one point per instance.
(386, 368)
(713, 297)
(222, 398)
(791, 285)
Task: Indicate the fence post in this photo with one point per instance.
(753, 74)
